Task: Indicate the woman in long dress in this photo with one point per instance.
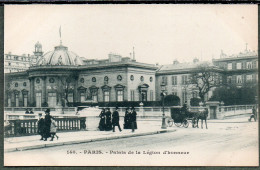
(102, 124)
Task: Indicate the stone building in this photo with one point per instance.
(176, 79)
(62, 76)
(18, 63)
(239, 68)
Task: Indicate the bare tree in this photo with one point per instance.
(66, 82)
(204, 79)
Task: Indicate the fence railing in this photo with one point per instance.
(38, 109)
(30, 126)
(236, 107)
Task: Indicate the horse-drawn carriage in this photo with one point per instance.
(181, 117)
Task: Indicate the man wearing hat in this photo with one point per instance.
(133, 119)
(41, 126)
(108, 124)
(47, 123)
(115, 120)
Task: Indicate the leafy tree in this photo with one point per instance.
(171, 100)
(233, 95)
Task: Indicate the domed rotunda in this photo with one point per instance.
(60, 56)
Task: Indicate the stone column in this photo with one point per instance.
(75, 97)
(32, 98)
(44, 90)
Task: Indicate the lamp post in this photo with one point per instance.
(163, 115)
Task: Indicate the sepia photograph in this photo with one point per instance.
(131, 85)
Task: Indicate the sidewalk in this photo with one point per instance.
(69, 138)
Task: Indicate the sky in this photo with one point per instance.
(159, 33)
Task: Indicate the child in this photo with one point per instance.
(53, 129)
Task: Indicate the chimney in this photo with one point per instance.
(134, 54)
(195, 60)
(175, 62)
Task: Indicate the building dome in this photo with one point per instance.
(60, 56)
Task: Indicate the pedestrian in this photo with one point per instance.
(253, 115)
(102, 116)
(41, 125)
(53, 129)
(133, 119)
(47, 124)
(127, 123)
(108, 124)
(115, 120)
(31, 112)
(26, 111)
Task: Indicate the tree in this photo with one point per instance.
(204, 78)
(233, 95)
(171, 100)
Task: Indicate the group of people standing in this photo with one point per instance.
(108, 121)
(47, 127)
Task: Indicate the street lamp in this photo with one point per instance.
(163, 115)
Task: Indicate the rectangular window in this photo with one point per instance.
(248, 65)
(184, 79)
(25, 100)
(16, 100)
(106, 96)
(239, 79)
(229, 66)
(249, 77)
(174, 80)
(132, 95)
(151, 95)
(229, 79)
(164, 80)
(52, 99)
(82, 97)
(119, 95)
(94, 96)
(38, 99)
(239, 66)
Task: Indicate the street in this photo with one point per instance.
(223, 144)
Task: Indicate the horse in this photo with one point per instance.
(200, 115)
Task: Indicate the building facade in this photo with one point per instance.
(60, 77)
(176, 79)
(239, 69)
(18, 63)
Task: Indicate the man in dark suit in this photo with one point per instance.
(115, 120)
(41, 126)
(133, 119)
(47, 124)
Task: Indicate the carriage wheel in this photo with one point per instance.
(185, 123)
(170, 122)
(177, 124)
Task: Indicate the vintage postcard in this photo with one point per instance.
(131, 85)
